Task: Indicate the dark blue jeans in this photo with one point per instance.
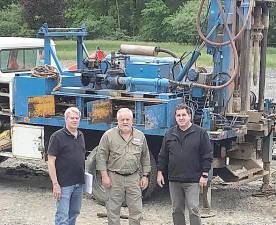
(69, 205)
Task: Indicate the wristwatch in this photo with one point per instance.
(146, 175)
(204, 176)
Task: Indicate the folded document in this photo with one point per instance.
(88, 182)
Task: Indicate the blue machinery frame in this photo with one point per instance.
(151, 87)
(147, 86)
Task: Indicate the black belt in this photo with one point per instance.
(124, 174)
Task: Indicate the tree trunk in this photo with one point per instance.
(118, 15)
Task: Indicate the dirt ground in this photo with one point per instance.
(26, 199)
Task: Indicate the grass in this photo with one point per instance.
(66, 50)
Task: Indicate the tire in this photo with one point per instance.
(152, 179)
(98, 190)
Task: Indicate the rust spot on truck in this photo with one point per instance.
(41, 106)
(101, 112)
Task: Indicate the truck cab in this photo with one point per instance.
(17, 55)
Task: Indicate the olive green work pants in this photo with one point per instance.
(124, 188)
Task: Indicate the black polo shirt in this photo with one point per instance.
(70, 156)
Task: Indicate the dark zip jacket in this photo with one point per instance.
(186, 154)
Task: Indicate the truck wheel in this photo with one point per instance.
(98, 190)
(152, 179)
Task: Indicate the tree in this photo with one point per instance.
(272, 28)
(180, 26)
(12, 23)
(153, 16)
(37, 12)
(126, 14)
(174, 4)
(6, 3)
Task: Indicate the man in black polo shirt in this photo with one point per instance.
(66, 164)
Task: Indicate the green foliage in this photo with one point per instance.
(152, 24)
(272, 27)
(101, 17)
(77, 11)
(105, 26)
(11, 22)
(181, 26)
(151, 20)
(6, 3)
(89, 13)
(37, 12)
(174, 4)
(116, 22)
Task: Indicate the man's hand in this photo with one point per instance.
(53, 175)
(202, 183)
(56, 191)
(160, 179)
(106, 181)
(144, 182)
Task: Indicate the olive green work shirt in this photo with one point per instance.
(125, 157)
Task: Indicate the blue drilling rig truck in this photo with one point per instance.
(33, 100)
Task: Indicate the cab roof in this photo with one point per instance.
(19, 42)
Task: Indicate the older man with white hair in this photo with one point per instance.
(122, 152)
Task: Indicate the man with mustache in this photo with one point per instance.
(121, 154)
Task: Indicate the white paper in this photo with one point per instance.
(88, 182)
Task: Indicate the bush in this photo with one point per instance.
(6, 3)
(152, 23)
(181, 26)
(12, 23)
(104, 26)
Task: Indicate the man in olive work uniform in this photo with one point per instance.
(187, 154)
(121, 153)
(66, 163)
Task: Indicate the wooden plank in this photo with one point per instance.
(254, 116)
(256, 127)
(248, 173)
(248, 180)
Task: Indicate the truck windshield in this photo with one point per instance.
(12, 60)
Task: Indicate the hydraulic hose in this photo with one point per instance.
(231, 41)
(158, 49)
(199, 30)
(235, 72)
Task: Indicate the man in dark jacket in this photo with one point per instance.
(187, 155)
